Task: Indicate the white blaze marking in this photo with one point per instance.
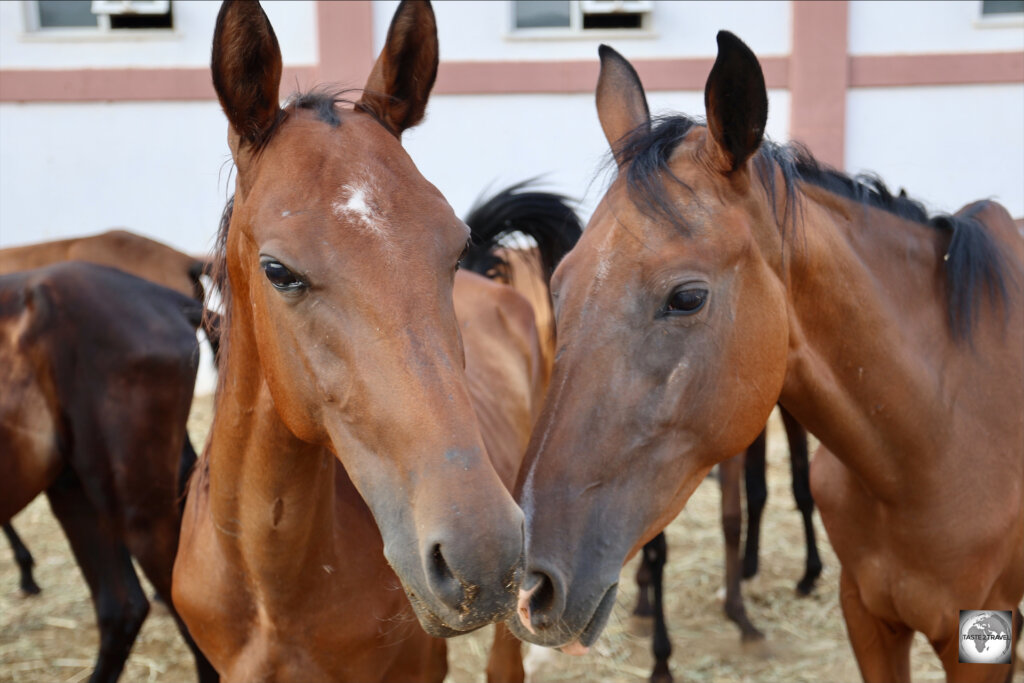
(355, 202)
(604, 257)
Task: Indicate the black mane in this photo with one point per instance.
(973, 264)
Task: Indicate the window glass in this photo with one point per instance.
(1002, 6)
(61, 13)
(542, 14)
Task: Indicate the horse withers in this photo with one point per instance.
(721, 274)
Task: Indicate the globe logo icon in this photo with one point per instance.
(986, 636)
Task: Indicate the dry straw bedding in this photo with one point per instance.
(52, 637)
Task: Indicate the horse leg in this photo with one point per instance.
(643, 607)
(117, 597)
(661, 646)
(732, 522)
(882, 649)
(754, 472)
(505, 664)
(153, 541)
(185, 465)
(801, 471)
(24, 559)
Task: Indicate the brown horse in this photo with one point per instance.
(356, 446)
(135, 254)
(98, 368)
(721, 274)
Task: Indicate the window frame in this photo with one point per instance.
(999, 20)
(102, 32)
(575, 30)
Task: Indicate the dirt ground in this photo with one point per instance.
(52, 637)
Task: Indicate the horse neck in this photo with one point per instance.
(274, 497)
(868, 330)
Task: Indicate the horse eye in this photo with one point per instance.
(686, 301)
(283, 279)
(461, 263)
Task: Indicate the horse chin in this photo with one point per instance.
(440, 627)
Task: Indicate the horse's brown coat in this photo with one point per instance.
(843, 319)
(346, 460)
(97, 369)
(119, 249)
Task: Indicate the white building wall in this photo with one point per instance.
(912, 26)
(479, 31)
(188, 45)
(473, 143)
(157, 168)
(946, 145)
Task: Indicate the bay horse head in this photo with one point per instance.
(341, 258)
(665, 308)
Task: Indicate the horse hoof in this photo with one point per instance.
(749, 569)
(661, 674)
(641, 627)
(806, 585)
(31, 588)
(643, 610)
(751, 635)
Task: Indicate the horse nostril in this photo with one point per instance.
(443, 581)
(538, 606)
(543, 600)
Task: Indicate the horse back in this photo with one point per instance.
(135, 254)
(504, 366)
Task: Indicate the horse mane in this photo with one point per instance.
(973, 264)
(546, 217)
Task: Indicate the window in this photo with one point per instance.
(997, 7)
(97, 16)
(579, 17)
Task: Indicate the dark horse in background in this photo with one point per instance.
(722, 274)
(132, 253)
(98, 369)
(751, 466)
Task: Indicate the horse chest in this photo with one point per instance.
(329, 623)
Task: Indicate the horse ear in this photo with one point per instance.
(621, 102)
(246, 66)
(400, 83)
(736, 101)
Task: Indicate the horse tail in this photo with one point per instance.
(518, 236)
(547, 219)
(210, 321)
